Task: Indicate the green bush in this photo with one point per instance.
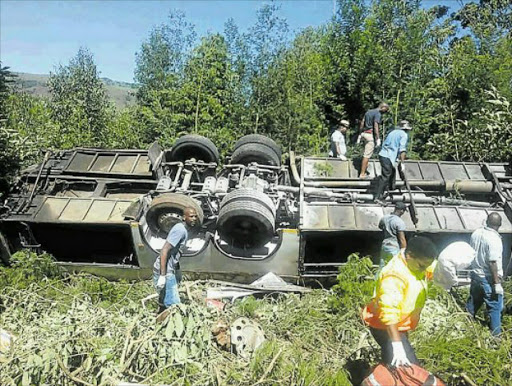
(354, 285)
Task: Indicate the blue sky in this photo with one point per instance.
(36, 36)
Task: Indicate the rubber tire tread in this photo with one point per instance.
(253, 152)
(171, 201)
(203, 145)
(249, 195)
(258, 212)
(259, 139)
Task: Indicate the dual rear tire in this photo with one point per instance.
(246, 218)
(256, 148)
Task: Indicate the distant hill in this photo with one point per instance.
(121, 93)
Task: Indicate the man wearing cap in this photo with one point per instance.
(393, 228)
(370, 134)
(392, 155)
(338, 149)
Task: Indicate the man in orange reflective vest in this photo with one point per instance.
(400, 294)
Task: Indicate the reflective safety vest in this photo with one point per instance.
(399, 296)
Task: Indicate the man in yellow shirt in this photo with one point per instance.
(400, 294)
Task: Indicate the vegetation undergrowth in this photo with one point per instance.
(81, 329)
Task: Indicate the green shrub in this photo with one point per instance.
(355, 284)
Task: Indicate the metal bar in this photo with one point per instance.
(67, 177)
(421, 171)
(322, 264)
(437, 218)
(466, 170)
(135, 163)
(88, 209)
(92, 162)
(301, 193)
(113, 207)
(31, 197)
(65, 166)
(440, 170)
(302, 241)
(116, 156)
(63, 208)
(461, 218)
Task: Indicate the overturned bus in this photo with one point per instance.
(108, 212)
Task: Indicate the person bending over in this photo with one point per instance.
(400, 294)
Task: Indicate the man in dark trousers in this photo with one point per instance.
(166, 270)
(370, 134)
(487, 271)
(393, 228)
(393, 150)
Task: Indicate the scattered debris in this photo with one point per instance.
(229, 293)
(217, 304)
(221, 333)
(246, 337)
(273, 282)
(6, 341)
(147, 298)
(268, 283)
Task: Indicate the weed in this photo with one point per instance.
(323, 169)
(248, 306)
(97, 330)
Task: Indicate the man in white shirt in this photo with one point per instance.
(487, 271)
(338, 149)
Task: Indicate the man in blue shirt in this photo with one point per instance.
(393, 151)
(166, 270)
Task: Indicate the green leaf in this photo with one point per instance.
(178, 322)
(169, 329)
(180, 352)
(25, 380)
(38, 361)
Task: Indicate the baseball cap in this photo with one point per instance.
(345, 123)
(400, 205)
(405, 125)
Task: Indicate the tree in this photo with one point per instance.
(267, 39)
(240, 77)
(125, 131)
(6, 79)
(164, 53)
(485, 137)
(160, 71)
(9, 157)
(207, 91)
(80, 105)
(29, 119)
(300, 82)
